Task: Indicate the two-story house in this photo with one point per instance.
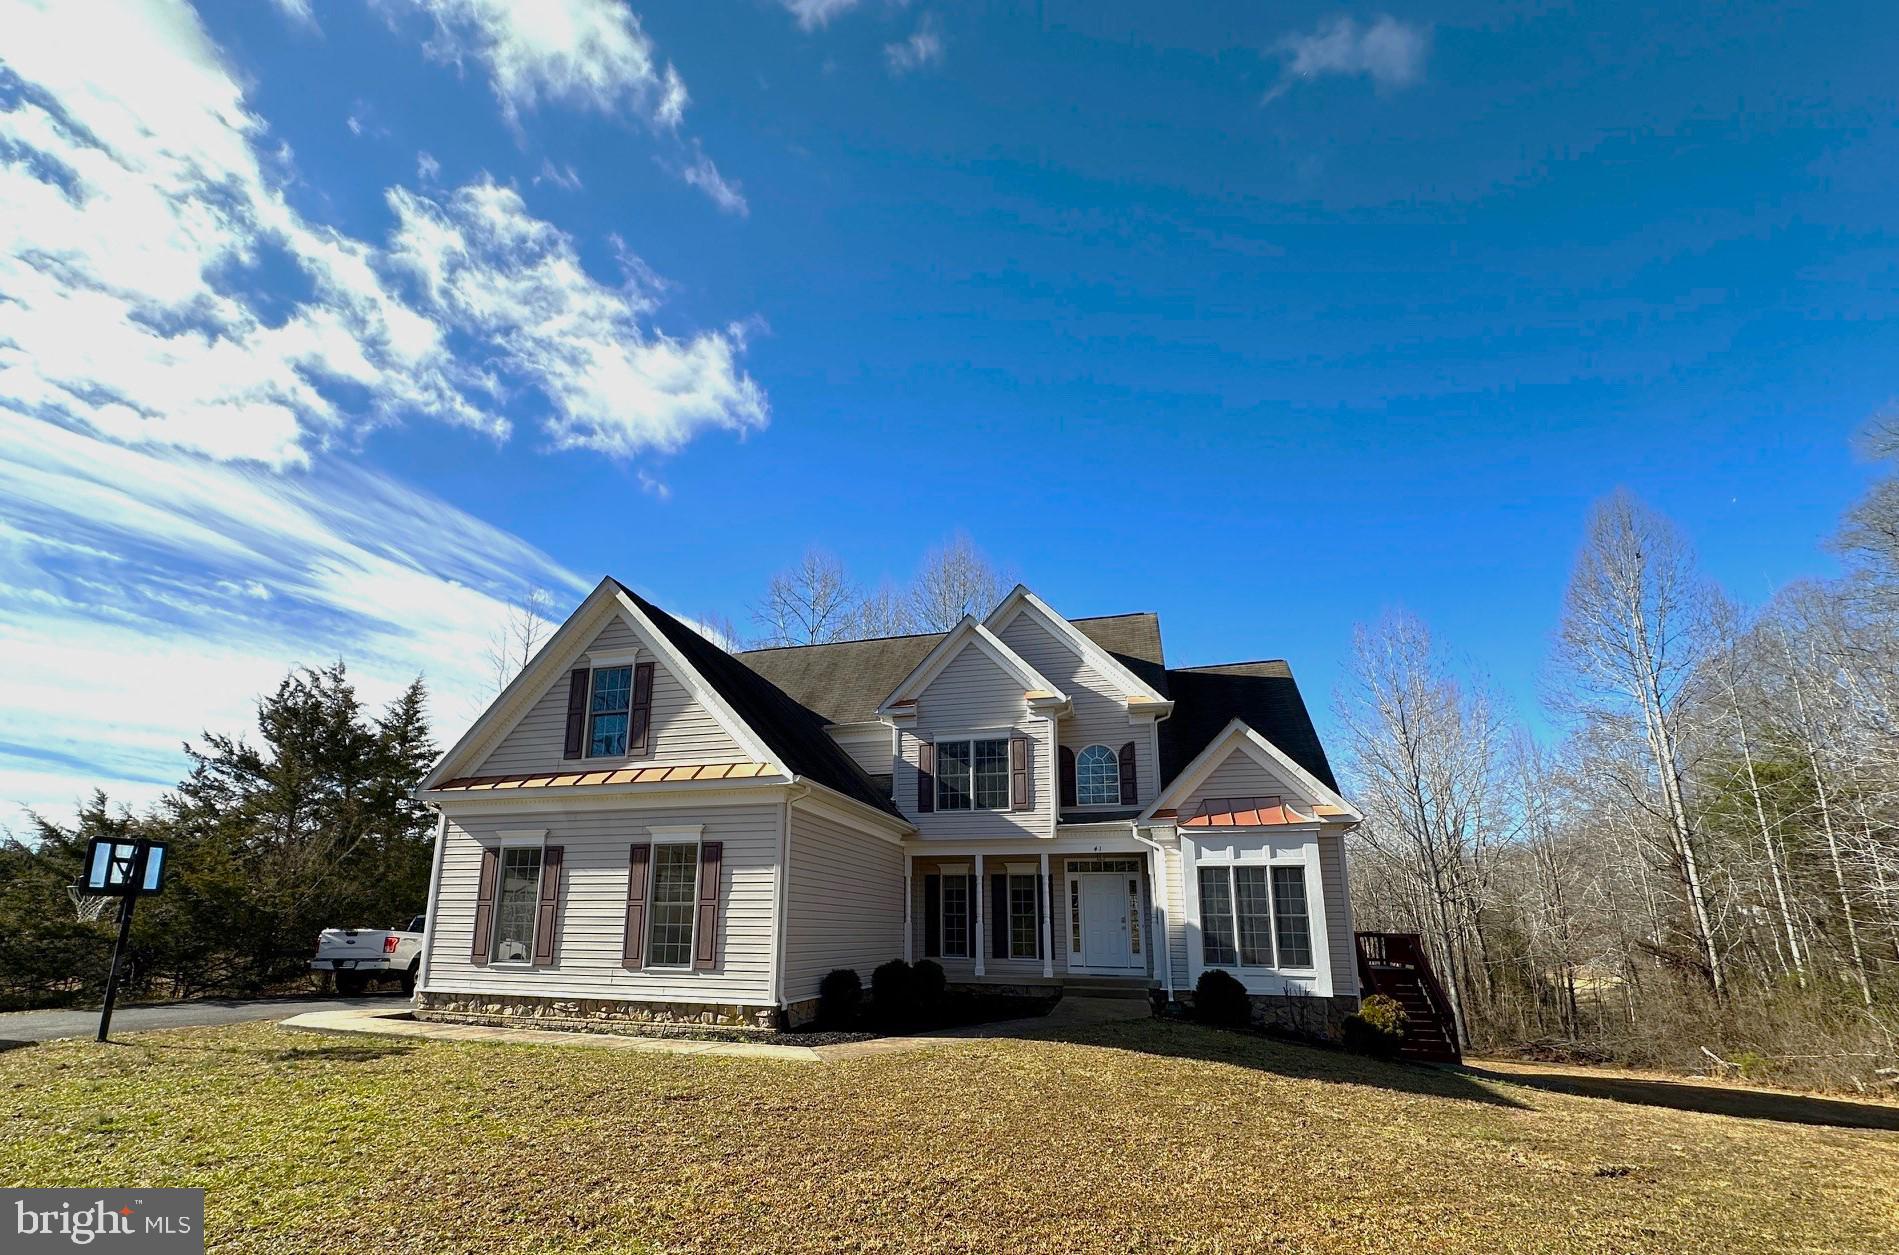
(646, 829)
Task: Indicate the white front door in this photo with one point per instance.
(1106, 918)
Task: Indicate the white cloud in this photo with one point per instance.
(297, 11)
(705, 176)
(1389, 52)
(148, 594)
(812, 14)
(585, 53)
(487, 265)
(136, 214)
(562, 176)
(923, 48)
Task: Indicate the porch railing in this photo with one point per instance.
(1385, 956)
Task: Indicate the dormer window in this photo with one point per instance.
(1097, 777)
(609, 711)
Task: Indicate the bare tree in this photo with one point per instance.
(1635, 626)
(719, 629)
(528, 624)
(886, 612)
(955, 580)
(813, 603)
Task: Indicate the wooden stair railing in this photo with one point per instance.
(1396, 965)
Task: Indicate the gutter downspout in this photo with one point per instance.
(1166, 949)
(435, 889)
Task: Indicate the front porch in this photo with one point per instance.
(1080, 920)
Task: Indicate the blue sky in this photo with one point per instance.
(326, 328)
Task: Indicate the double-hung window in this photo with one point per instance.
(1246, 908)
(675, 894)
(972, 775)
(517, 904)
(609, 712)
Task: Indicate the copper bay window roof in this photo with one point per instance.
(1255, 812)
(624, 775)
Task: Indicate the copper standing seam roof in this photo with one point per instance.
(625, 775)
(1254, 812)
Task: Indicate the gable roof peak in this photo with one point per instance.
(971, 631)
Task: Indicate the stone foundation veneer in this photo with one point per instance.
(594, 1015)
(1312, 1015)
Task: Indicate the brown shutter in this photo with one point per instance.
(576, 712)
(547, 918)
(1019, 773)
(1128, 791)
(705, 946)
(633, 949)
(1068, 776)
(640, 718)
(926, 777)
(485, 904)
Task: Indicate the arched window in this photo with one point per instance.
(1097, 776)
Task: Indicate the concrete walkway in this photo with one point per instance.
(1070, 1013)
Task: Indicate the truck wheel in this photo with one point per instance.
(408, 978)
(351, 984)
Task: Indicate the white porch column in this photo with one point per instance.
(909, 899)
(979, 943)
(1048, 921)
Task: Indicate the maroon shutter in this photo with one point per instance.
(926, 777)
(633, 949)
(640, 718)
(705, 946)
(576, 712)
(1128, 791)
(1068, 776)
(1019, 773)
(547, 917)
(485, 904)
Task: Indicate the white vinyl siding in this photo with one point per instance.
(1338, 914)
(590, 928)
(683, 731)
(972, 696)
(1176, 899)
(867, 744)
(846, 902)
(1099, 712)
(1241, 775)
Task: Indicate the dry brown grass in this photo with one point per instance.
(1131, 1136)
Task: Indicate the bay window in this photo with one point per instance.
(1246, 910)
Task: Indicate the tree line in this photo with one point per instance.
(312, 826)
(1700, 868)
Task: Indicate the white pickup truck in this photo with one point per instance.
(360, 955)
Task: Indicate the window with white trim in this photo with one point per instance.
(1097, 777)
(671, 905)
(955, 912)
(517, 904)
(1245, 909)
(609, 712)
(972, 774)
(1025, 934)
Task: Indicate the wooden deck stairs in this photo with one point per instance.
(1396, 965)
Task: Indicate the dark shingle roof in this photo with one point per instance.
(788, 695)
(844, 681)
(1263, 694)
(794, 733)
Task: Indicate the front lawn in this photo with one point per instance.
(1130, 1136)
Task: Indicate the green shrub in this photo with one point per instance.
(893, 990)
(1376, 1028)
(1222, 1000)
(927, 984)
(840, 993)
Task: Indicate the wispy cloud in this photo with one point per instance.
(812, 14)
(586, 53)
(1389, 52)
(702, 174)
(563, 176)
(148, 594)
(923, 48)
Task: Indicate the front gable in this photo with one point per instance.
(524, 730)
(1241, 777)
